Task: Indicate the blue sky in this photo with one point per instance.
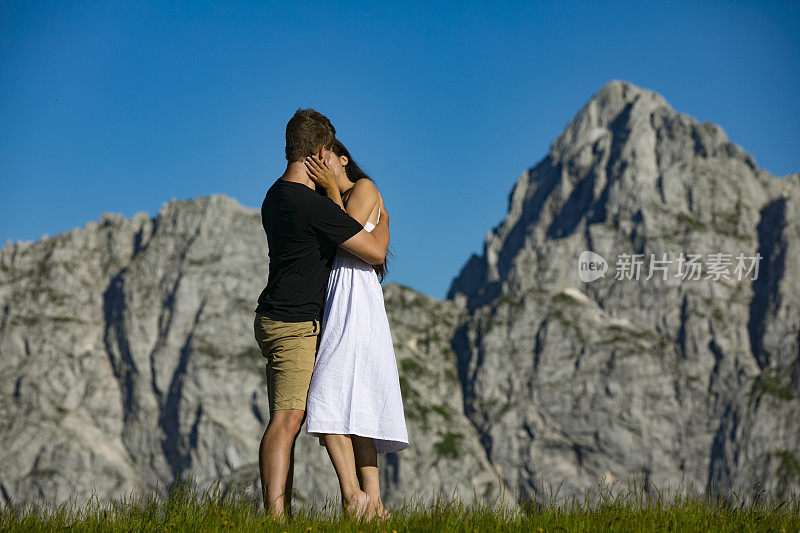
(120, 106)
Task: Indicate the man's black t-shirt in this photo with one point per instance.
(304, 230)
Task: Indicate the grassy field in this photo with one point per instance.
(607, 509)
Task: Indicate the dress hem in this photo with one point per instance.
(399, 445)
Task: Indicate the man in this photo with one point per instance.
(303, 230)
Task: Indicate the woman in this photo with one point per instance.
(354, 401)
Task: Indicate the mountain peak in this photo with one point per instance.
(626, 146)
(603, 111)
(635, 114)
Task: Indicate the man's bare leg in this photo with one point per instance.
(367, 470)
(287, 493)
(275, 459)
(354, 500)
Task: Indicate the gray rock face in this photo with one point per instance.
(127, 355)
(127, 358)
(677, 382)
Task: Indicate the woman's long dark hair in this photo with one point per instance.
(354, 173)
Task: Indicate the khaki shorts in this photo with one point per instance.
(290, 349)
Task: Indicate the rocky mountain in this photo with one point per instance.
(127, 355)
(676, 381)
(127, 358)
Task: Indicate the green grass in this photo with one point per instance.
(610, 508)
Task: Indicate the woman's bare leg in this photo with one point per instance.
(354, 500)
(366, 459)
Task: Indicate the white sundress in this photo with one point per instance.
(355, 387)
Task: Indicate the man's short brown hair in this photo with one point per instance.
(306, 132)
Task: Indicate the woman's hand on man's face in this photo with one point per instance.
(321, 173)
(336, 164)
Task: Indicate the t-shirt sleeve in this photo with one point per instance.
(330, 220)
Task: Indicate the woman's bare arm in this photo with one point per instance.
(362, 201)
(371, 247)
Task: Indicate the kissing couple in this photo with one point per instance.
(321, 322)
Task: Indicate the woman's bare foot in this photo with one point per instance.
(378, 510)
(383, 514)
(358, 505)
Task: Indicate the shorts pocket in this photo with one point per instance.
(271, 334)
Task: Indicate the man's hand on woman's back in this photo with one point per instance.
(382, 207)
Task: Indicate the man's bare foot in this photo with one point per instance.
(279, 518)
(359, 506)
